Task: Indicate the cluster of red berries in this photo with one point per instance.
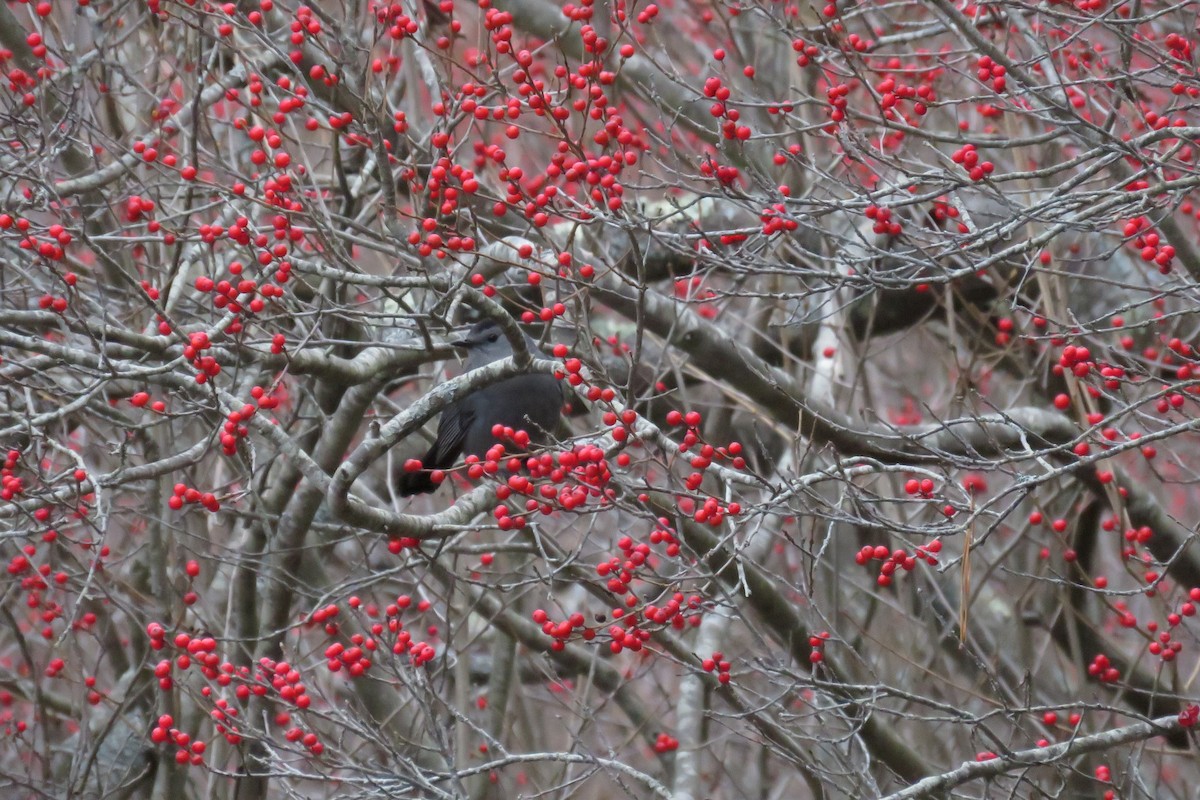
(137, 207)
(286, 680)
(627, 638)
(775, 220)
(206, 366)
(672, 612)
(1102, 670)
(1165, 648)
(693, 291)
(240, 296)
(189, 752)
(724, 173)
(36, 579)
(882, 217)
(805, 52)
(1077, 359)
(187, 494)
(665, 744)
(53, 303)
(626, 634)
(234, 428)
(837, 95)
(923, 487)
(198, 650)
(892, 93)
(11, 484)
(1143, 238)
(142, 399)
(51, 249)
(1073, 719)
(573, 476)
(942, 211)
(717, 663)
(817, 643)
(585, 464)
(897, 559)
(1179, 48)
(968, 156)
(562, 631)
(355, 660)
(308, 739)
(545, 314)
(989, 70)
(711, 511)
(325, 617)
(620, 573)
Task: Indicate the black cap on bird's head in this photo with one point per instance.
(486, 342)
(481, 334)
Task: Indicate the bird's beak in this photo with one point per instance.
(460, 342)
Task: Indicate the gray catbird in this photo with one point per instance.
(523, 402)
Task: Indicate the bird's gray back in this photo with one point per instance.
(531, 403)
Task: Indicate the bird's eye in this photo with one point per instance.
(493, 337)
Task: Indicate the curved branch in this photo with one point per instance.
(935, 785)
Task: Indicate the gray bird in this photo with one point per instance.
(523, 402)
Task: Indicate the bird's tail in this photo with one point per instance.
(419, 482)
(410, 483)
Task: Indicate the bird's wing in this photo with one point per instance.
(451, 435)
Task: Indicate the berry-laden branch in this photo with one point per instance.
(747, 582)
(876, 327)
(992, 765)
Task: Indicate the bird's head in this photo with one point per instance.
(485, 342)
(482, 334)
